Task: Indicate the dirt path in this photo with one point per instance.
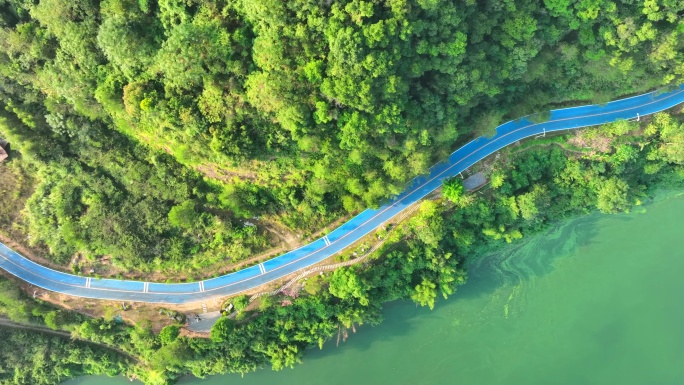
(287, 238)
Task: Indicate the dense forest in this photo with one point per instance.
(155, 126)
(31, 356)
(149, 132)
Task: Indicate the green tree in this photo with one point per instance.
(346, 284)
(533, 203)
(241, 302)
(425, 293)
(128, 40)
(53, 320)
(671, 133)
(184, 215)
(222, 329)
(613, 196)
(452, 189)
(168, 334)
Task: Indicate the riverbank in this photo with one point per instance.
(591, 300)
(425, 257)
(588, 300)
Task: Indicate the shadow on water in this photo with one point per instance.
(400, 317)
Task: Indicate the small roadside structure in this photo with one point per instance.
(4, 150)
(474, 182)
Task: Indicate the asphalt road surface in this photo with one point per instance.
(348, 233)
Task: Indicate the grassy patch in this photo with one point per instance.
(17, 185)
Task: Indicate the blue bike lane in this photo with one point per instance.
(348, 233)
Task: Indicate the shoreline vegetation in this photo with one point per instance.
(146, 134)
(422, 260)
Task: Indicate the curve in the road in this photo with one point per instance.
(348, 233)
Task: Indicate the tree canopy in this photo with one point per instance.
(300, 111)
(152, 131)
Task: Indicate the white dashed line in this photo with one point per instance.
(146, 287)
(201, 286)
(326, 240)
(56, 280)
(262, 268)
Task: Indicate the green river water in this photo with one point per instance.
(597, 300)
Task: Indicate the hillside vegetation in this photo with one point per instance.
(610, 168)
(154, 126)
(148, 132)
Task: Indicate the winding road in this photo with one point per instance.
(348, 233)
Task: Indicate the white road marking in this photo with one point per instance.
(389, 206)
(326, 240)
(146, 287)
(201, 286)
(262, 268)
(88, 281)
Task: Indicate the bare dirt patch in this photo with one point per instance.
(214, 172)
(589, 140)
(284, 237)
